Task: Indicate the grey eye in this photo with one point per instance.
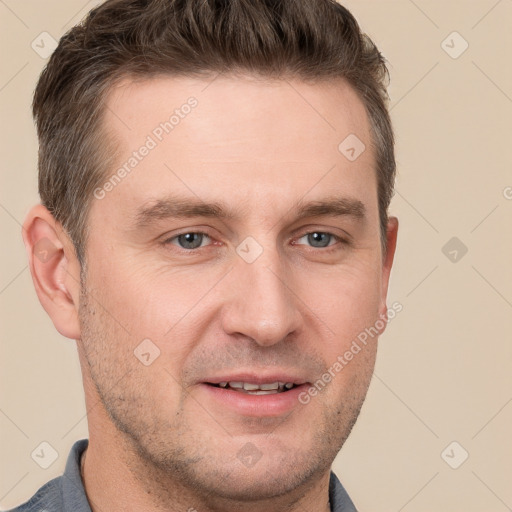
(318, 239)
(190, 240)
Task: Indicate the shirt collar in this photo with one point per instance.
(73, 492)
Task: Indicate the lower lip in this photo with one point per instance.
(246, 404)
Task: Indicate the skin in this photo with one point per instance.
(157, 439)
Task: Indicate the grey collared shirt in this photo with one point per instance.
(66, 493)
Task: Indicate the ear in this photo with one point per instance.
(55, 269)
(391, 238)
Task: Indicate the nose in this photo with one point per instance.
(261, 303)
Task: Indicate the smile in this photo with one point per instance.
(256, 389)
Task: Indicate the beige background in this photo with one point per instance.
(444, 366)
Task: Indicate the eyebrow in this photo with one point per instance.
(180, 208)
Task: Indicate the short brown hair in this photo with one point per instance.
(311, 40)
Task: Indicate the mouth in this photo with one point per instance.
(251, 388)
(250, 394)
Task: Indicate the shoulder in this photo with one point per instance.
(65, 492)
(340, 500)
(48, 498)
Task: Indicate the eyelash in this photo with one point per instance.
(328, 249)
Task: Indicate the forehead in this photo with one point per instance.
(238, 137)
(240, 107)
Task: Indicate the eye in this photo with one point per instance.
(191, 240)
(195, 239)
(320, 239)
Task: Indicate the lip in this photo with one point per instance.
(244, 404)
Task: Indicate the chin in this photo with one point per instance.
(263, 481)
(259, 467)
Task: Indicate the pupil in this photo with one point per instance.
(190, 240)
(317, 239)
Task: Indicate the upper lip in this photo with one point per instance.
(258, 378)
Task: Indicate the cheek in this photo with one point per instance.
(347, 301)
(132, 363)
(145, 305)
(347, 305)
(157, 309)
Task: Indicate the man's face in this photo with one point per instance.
(264, 292)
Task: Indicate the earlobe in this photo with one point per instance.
(391, 239)
(55, 269)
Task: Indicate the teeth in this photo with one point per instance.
(251, 387)
(273, 385)
(258, 389)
